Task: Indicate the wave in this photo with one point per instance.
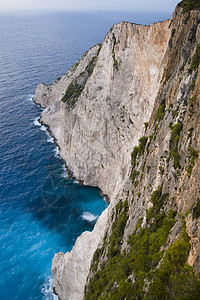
(50, 139)
(36, 122)
(56, 151)
(87, 216)
(47, 289)
(43, 128)
(64, 174)
(29, 98)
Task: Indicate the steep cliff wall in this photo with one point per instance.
(152, 248)
(107, 96)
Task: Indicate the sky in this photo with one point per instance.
(69, 5)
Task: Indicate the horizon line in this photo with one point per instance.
(37, 10)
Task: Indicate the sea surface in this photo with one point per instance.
(42, 211)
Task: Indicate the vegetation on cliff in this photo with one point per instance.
(196, 59)
(126, 274)
(76, 87)
(188, 5)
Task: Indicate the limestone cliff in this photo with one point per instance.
(97, 127)
(96, 112)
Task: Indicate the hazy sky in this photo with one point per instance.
(127, 5)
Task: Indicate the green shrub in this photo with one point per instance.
(137, 151)
(142, 144)
(134, 175)
(118, 228)
(134, 155)
(146, 125)
(193, 156)
(139, 223)
(190, 132)
(175, 136)
(176, 157)
(161, 111)
(192, 100)
(175, 112)
(196, 210)
(196, 59)
(148, 169)
(115, 63)
(174, 279)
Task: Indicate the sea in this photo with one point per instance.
(42, 209)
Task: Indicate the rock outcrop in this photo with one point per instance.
(96, 112)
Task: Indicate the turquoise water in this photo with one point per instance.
(41, 211)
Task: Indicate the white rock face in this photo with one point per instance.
(96, 138)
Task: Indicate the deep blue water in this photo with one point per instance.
(41, 211)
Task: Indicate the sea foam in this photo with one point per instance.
(75, 181)
(87, 216)
(56, 151)
(29, 98)
(50, 139)
(47, 289)
(44, 128)
(64, 174)
(36, 122)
